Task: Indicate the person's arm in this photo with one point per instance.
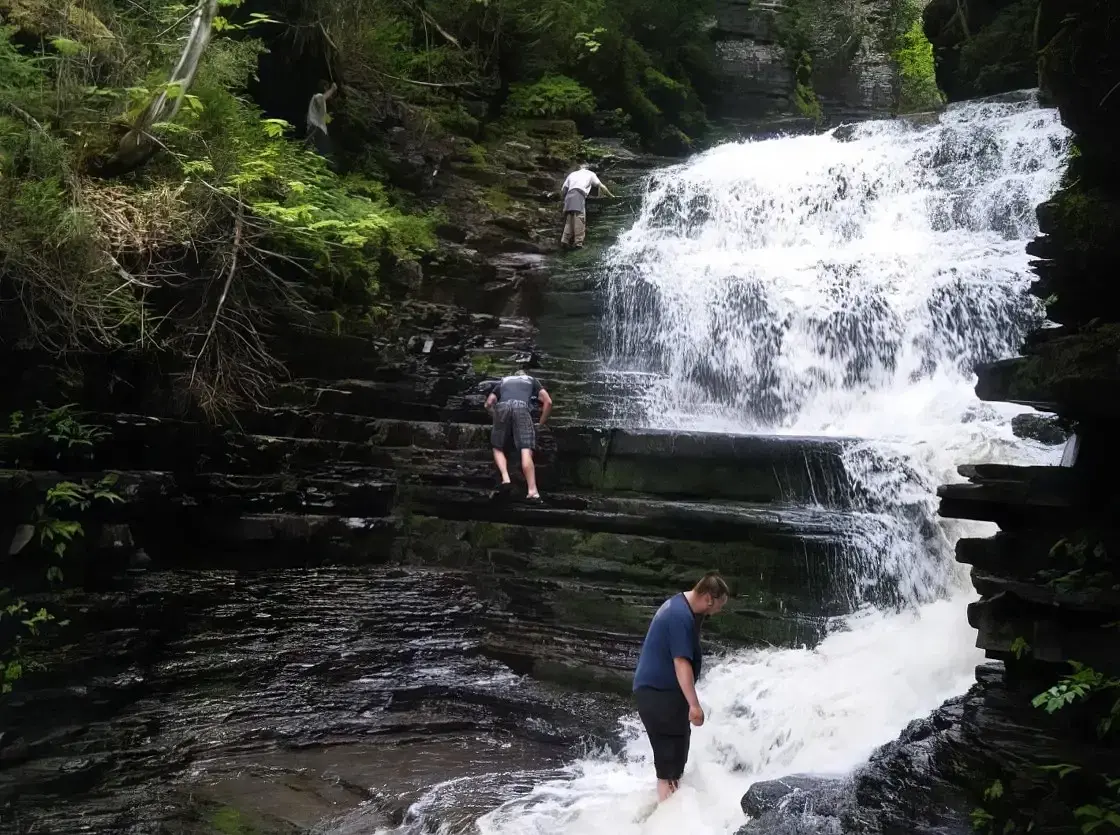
(683, 669)
(330, 92)
(602, 185)
(680, 646)
(491, 400)
(546, 405)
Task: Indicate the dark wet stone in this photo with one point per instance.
(1046, 429)
(789, 794)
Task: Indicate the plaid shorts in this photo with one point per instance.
(513, 417)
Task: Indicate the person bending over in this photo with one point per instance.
(575, 191)
(665, 680)
(508, 402)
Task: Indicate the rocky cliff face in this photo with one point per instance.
(763, 47)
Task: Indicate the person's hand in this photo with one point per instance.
(696, 715)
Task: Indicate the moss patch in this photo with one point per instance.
(917, 80)
(804, 96)
(229, 821)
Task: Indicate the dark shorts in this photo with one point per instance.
(665, 716)
(513, 418)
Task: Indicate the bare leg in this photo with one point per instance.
(503, 465)
(664, 790)
(530, 471)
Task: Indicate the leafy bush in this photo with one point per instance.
(917, 81)
(553, 97)
(207, 247)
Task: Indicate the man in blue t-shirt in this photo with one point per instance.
(665, 680)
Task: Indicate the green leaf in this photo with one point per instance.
(275, 128)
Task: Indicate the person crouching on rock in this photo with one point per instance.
(665, 680)
(575, 191)
(508, 402)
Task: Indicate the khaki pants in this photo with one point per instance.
(575, 228)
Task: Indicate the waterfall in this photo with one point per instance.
(827, 284)
(841, 284)
(845, 284)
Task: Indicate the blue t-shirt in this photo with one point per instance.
(673, 633)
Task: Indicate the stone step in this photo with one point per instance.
(751, 468)
(361, 493)
(640, 544)
(206, 538)
(1076, 375)
(1015, 496)
(639, 515)
(1010, 627)
(1022, 554)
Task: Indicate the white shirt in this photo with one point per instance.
(581, 180)
(317, 113)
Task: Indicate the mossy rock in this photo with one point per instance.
(1077, 376)
(43, 18)
(1085, 220)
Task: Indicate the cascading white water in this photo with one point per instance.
(837, 286)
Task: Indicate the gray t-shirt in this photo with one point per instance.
(520, 387)
(575, 200)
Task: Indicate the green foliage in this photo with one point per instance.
(228, 229)
(1019, 647)
(1079, 685)
(1084, 565)
(1060, 796)
(1002, 55)
(546, 58)
(554, 96)
(914, 56)
(803, 94)
(54, 527)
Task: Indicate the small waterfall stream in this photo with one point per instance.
(841, 284)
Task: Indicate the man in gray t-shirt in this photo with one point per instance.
(508, 402)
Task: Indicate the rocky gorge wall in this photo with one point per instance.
(798, 63)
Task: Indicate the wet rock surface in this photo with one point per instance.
(267, 687)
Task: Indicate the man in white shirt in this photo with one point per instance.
(575, 191)
(317, 120)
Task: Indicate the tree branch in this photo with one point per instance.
(225, 293)
(136, 145)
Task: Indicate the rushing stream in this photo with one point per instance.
(829, 285)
